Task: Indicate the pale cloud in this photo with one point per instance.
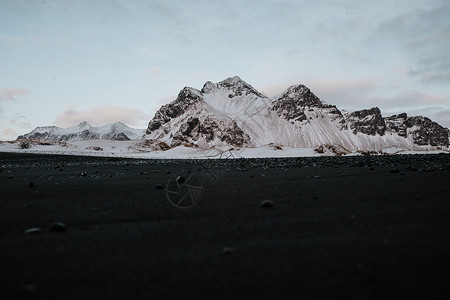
(442, 116)
(101, 115)
(17, 117)
(155, 54)
(9, 134)
(334, 91)
(424, 36)
(12, 93)
(154, 71)
(17, 40)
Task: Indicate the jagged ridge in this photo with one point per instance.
(233, 113)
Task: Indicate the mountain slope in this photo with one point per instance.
(232, 113)
(82, 132)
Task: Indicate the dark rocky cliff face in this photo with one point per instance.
(226, 131)
(421, 130)
(292, 104)
(186, 98)
(426, 132)
(367, 121)
(396, 123)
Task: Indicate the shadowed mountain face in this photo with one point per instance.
(233, 113)
(82, 132)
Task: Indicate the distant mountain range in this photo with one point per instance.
(82, 132)
(232, 113)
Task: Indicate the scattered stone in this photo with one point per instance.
(33, 230)
(159, 187)
(29, 288)
(395, 171)
(267, 203)
(144, 173)
(11, 176)
(317, 176)
(31, 184)
(155, 171)
(57, 227)
(227, 251)
(343, 175)
(61, 169)
(83, 174)
(181, 179)
(371, 169)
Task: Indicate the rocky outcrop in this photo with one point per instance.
(187, 98)
(421, 130)
(397, 124)
(367, 121)
(297, 100)
(196, 131)
(424, 131)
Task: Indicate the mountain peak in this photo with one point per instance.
(233, 80)
(235, 85)
(83, 124)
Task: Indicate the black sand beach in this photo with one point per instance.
(355, 227)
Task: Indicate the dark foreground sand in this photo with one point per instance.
(359, 228)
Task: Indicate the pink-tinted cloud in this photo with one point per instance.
(9, 133)
(17, 118)
(102, 115)
(7, 94)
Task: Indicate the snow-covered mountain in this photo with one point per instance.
(232, 113)
(82, 132)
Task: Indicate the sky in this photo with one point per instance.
(64, 62)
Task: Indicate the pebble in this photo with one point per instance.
(181, 179)
(267, 203)
(84, 174)
(29, 288)
(227, 251)
(33, 230)
(57, 227)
